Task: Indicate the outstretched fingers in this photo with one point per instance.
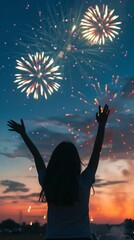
(22, 122)
(11, 126)
(11, 129)
(10, 123)
(106, 110)
(99, 109)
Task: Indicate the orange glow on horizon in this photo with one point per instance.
(112, 202)
(102, 210)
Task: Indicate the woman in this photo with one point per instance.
(64, 187)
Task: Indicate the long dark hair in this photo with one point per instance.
(60, 183)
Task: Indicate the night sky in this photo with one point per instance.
(92, 74)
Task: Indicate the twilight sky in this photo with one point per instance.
(91, 74)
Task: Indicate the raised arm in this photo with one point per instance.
(101, 117)
(20, 128)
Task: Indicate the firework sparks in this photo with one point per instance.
(39, 75)
(29, 209)
(111, 94)
(60, 36)
(97, 25)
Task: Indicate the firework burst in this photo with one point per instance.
(59, 35)
(97, 25)
(120, 115)
(38, 75)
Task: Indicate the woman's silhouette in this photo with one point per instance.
(64, 187)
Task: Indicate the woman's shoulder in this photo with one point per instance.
(87, 177)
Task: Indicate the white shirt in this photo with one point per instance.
(71, 221)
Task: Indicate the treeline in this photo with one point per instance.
(10, 226)
(126, 227)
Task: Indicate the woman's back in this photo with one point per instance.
(71, 221)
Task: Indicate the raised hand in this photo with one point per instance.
(20, 128)
(14, 126)
(102, 115)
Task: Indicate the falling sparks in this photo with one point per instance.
(29, 209)
(38, 75)
(99, 25)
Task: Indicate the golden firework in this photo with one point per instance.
(99, 25)
(38, 75)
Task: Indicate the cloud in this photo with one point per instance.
(16, 154)
(128, 171)
(26, 196)
(45, 140)
(81, 130)
(7, 197)
(125, 172)
(12, 186)
(29, 196)
(101, 183)
(31, 176)
(15, 202)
